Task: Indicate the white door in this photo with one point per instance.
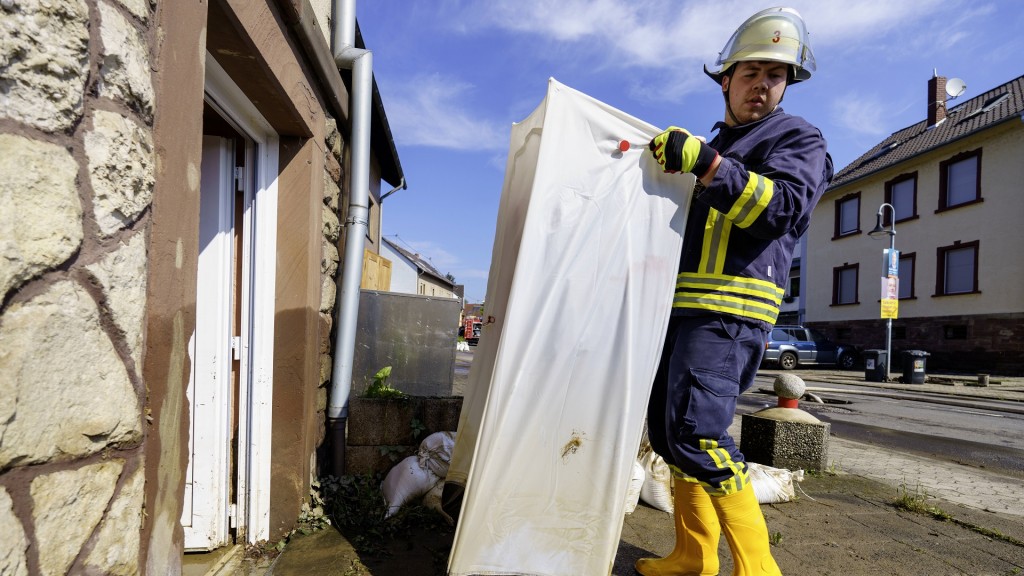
(207, 485)
(227, 491)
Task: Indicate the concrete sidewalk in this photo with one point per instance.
(844, 521)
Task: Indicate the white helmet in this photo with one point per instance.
(774, 34)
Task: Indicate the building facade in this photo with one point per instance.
(175, 179)
(955, 184)
(411, 273)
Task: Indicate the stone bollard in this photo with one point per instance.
(785, 436)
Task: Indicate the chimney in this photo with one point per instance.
(936, 99)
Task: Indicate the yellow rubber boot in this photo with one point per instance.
(697, 532)
(747, 533)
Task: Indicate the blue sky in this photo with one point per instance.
(455, 74)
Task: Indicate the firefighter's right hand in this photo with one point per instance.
(676, 150)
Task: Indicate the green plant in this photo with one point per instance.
(417, 427)
(380, 387)
(775, 538)
(394, 453)
(915, 502)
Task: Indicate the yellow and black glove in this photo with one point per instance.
(676, 150)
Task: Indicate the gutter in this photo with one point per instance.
(353, 108)
(360, 61)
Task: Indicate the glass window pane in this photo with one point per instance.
(847, 286)
(903, 199)
(848, 216)
(906, 277)
(960, 271)
(962, 181)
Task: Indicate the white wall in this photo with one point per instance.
(403, 272)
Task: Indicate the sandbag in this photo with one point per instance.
(406, 482)
(636, 482)
(657, 488)
(435, 452)
(432, 500)
(773, 485)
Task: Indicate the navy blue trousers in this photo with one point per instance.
(707, 362)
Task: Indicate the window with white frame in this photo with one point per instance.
(847, 215)
(957, 271)
(960, 180)
(844, 284)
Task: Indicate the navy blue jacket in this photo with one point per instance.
(742, 229)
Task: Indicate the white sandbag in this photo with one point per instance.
(432, 500)
(657, 488)
(636, 482)
(435, 452)
(585, 257)
(406, 482)
(773, 485)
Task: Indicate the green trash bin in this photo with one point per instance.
(874, 365)
(914, 366)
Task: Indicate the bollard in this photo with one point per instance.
(785, 436)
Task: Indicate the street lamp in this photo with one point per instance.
(878, 232)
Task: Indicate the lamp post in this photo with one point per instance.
(878, 232)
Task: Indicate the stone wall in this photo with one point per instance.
(330, 276)
(381, 432)
(77, 167)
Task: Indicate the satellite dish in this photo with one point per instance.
(955, 87)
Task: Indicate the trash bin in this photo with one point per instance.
(874, 365)
(914, 364)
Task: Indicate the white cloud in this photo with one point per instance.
(434, 111)
(432, 252)
(863, 115)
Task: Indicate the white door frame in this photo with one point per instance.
(259, 269)
(205, 515)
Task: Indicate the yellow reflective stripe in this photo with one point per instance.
(724, 461)
(739, 479)
(724, 299)
(714, 243)
(727, 305)
(735, 284)
(752, 201)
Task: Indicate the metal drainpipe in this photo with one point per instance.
(347, 56)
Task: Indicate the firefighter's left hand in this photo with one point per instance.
(676, 150)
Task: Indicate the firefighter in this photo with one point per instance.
(759, 180)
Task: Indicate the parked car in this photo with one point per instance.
(792, 346)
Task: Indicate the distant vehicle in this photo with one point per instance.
(470, 329)
(792, 346)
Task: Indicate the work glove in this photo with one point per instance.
(676, 150)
